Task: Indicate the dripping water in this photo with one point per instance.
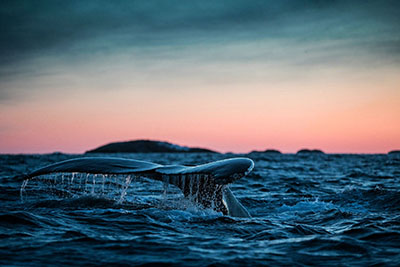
(66, 185)
(126, 185)
(22, 190)
(118, 188)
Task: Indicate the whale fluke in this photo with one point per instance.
(206, 184)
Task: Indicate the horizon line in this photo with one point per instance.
(195, 146)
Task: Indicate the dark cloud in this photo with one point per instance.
(35, 27)
(75, 29)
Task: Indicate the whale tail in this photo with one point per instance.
(206, 184)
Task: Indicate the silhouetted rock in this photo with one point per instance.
(146, 146)
(268, 151)
(394, 152)
(272, 151)
(310, 151)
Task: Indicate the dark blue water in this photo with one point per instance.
(307, 209)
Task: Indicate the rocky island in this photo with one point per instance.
(310, 151)
(267, 151)
(147, 146)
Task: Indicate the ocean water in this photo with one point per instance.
(306, 210)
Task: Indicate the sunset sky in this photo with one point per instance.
(226, 75)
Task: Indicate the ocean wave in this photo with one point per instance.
(329, 210)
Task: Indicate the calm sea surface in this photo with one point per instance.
(307, 210)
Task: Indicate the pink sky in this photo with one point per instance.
(335, 113)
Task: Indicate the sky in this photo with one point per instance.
(233, 76)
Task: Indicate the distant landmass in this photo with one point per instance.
(394, 152)
(268, 151)
(310, 151)
(147, 146)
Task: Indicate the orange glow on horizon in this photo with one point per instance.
(354, 119)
